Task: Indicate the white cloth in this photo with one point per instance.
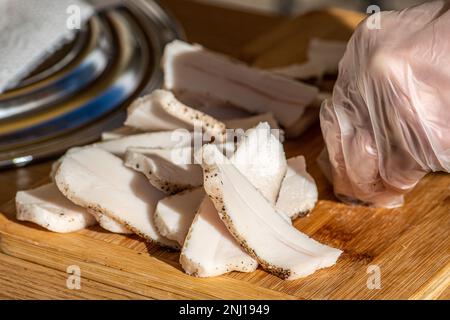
(31, 30)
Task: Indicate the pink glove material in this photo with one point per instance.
(388, 122)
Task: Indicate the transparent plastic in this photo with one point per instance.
(388, 121)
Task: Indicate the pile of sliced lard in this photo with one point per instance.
(174, 176)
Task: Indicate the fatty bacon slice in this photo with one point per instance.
(193, 68)
(99, 181)
(257, 225)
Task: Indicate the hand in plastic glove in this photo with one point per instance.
(388, 122)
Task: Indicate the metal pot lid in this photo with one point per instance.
(85, 87)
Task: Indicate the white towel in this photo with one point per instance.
(31, 30)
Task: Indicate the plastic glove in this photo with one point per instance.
(388, 122)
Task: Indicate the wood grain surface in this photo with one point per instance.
(410, 245)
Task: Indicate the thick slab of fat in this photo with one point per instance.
(193, 68)
(298, 194)
(174, 214)
(48, 208)
(258, 226)
(99, 181)
(163, 139)
(169, 170)
(210, 250)
(219, 109)
(161, 111)
(261, 159)
(104, 221)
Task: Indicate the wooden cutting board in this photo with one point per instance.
(409, 245)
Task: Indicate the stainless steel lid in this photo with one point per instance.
(83, 89)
